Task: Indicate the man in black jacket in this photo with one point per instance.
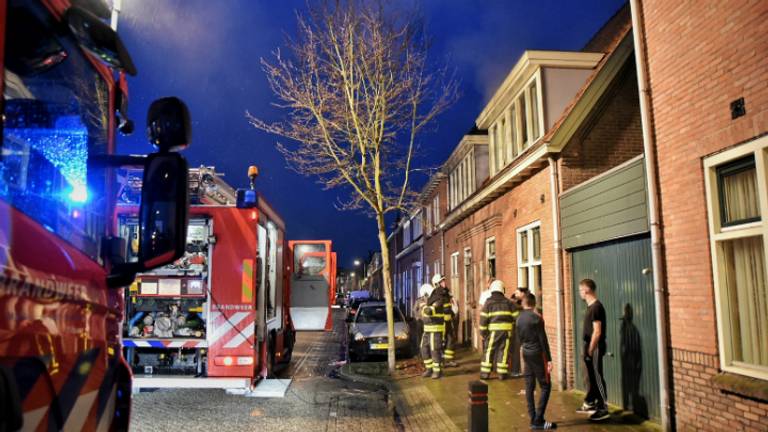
(537, 360)
(497, 321)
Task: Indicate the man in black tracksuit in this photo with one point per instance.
(432, 315)
(497, 321)
(594, 349)
(537, 360)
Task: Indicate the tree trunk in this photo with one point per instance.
(386, 277)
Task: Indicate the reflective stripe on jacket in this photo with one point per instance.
(498, 314)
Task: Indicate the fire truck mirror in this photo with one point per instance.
(96, 37)
(168, 126)
(164, 208)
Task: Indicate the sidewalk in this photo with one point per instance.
(418, 400)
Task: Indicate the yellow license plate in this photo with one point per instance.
(379, 346)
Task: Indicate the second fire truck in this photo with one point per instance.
(218, 317)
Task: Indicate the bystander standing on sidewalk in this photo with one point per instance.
(514, 355)
(594, 350)
(537, 359)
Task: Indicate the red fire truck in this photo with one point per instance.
(61, 268)
(313, 284)
(218, 317)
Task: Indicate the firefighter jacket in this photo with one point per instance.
(433, 313)
(448, 304)
(498, 314)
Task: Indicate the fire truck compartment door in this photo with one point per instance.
(310, 307)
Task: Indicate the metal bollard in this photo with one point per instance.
(478, 406)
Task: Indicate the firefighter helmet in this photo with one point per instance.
(437, 278)
(426, 290)
(497, 286)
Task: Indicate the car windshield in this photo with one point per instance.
(56, 115)
(375, 314)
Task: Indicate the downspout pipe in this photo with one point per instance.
(558, 251)
(651, 174)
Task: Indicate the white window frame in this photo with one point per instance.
(406, 233)
(488, 257)
(718, 233)
(455, 264)
(507, 144)
(436, 211)
(436, 266)
(530, 263)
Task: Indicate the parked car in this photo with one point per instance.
(368, 332)
(354, 300)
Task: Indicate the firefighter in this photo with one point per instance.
(450, 308)
(434, 326)
(497, 321)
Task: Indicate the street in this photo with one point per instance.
(315, 401)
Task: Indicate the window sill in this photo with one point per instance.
(741, 385)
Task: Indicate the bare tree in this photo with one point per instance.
(358, 89)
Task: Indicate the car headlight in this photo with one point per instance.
(402, 336)
(359, 337)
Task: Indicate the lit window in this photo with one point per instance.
(490, 247)
(529, 257)
(735, 184)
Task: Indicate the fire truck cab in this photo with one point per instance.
(218, 317)
(61, 271)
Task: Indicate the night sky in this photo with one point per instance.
(208, 54)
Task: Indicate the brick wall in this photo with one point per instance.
(701, 407)
(611, 136)
(701, 56)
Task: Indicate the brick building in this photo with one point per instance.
(708, 87)
(640, 162)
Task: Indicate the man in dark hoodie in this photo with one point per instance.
(537, 360)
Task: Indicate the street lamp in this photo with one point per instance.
(357, 263)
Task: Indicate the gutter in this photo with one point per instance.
(651, 172)
(558, 250)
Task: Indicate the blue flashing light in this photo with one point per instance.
(79, 194)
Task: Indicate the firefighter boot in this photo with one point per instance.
(427, 373)
(437, 373)
(484, 376)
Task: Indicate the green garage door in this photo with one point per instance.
(621, 270)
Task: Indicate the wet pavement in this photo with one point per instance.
(315, 401)
(507, 406)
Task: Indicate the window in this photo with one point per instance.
(529, 257)
(534, 99)
(512, 131)
(517, 128)
(521, 103)
(436, 210)
(490, 253)
(437, 267)
(427, 219)
(416, 226)
(461, 181)
(308, 259)
(737, 190)
(455, 264)
(56, 115)
(406, 233)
